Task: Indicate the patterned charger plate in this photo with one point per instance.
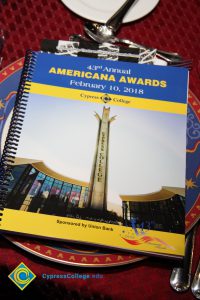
(78, 255)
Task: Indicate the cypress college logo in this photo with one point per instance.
(22, 276)
(106, 98)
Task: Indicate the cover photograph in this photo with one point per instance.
(96, 153)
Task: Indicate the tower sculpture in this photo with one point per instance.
(97, 198)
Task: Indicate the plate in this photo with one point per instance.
(74, 254)
(78, 255)
(101, 11)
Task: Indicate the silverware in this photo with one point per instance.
(171, 58)
(102, 33)
(180, 279)
(105, 33)
(168, 56)
(195, 288)
(186, 63)
(115, 21)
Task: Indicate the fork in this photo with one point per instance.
(175, 60)
(171, 58)
(185, 63)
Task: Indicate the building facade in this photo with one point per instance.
(162, 210)
(36, 188)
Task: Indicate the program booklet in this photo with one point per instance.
(96, 153)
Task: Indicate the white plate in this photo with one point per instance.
(101, 10)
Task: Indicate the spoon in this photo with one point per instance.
(105, 33)
(196, 283)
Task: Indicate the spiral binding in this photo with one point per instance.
(10, 148)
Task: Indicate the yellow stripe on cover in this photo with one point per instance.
(119, 100)
(96, 233)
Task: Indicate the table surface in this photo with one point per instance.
(172, 26)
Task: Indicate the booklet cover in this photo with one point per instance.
(96, 154)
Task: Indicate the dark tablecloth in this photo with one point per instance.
(172, 26)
